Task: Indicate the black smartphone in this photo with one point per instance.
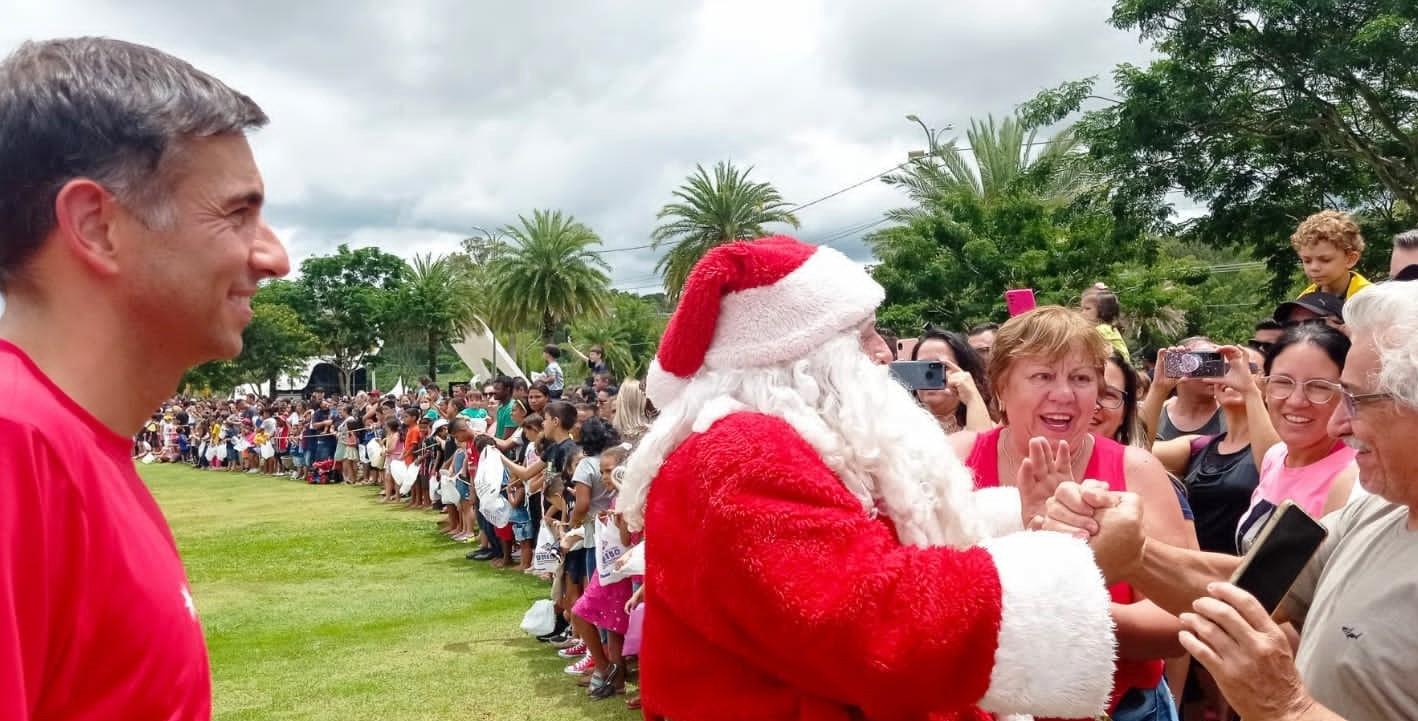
(919, 375)
(1280, 552)
(1195, 364)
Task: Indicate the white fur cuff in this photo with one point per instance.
(999, 511)
(1056, 640)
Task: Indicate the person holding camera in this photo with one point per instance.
(1221, 472)
(1194, 411)
(964, 402)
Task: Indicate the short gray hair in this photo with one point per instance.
(103, 109)
(1388, 313)
(1407, 240)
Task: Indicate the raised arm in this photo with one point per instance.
(523, 473)
(1156, 401)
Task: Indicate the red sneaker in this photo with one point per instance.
(584, 666)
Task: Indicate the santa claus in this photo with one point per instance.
(814, 550)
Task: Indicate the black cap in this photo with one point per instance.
(1325, 305)
(1408, 273)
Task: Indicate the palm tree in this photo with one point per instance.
(439, 302)
(1003, 156)
(712, 211)
(548, 274)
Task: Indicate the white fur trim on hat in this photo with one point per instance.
(661, 386)
(789, 319)
(1056, 640)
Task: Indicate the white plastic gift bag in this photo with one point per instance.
(540, 619)
(609, 549)
(488, 484)
(547, 553)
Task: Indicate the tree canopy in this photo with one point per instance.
(343, 299)
(549, 273)
(1263, 111)
(711, 210)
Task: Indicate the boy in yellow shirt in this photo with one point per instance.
(1329, 244)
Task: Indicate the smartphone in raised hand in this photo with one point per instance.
(919, 375)
(1195, 364)
(1019, 301)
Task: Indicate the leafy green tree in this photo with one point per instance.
(211, 378)
(1233, 297)
(1264, 111)
(276, 343)
(954, 257)
(549, 274)
(343, 299)
(403, 355)
(437, 303)
(1000, 157)
(629, 333)
(711, 211)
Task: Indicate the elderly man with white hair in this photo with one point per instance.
(1355, 602)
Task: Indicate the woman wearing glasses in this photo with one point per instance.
(1308, 466)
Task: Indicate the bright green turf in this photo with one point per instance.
(319, 603)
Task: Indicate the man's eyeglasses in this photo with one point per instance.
(1353, 401)
(1259, 345)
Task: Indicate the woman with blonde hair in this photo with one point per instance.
(1047, 369)
(631, 419)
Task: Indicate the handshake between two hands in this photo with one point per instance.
(1051, 500)
(1111, 523)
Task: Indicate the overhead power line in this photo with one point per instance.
(849, 231)
(894, 168)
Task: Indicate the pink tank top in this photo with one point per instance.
(1308, 486)
(1107, 464)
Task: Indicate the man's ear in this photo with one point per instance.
(1351, 259)
(86, 215)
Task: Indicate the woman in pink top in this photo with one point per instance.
(1307, 466)
(1047, 369)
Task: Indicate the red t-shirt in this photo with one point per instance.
(411, 443)
(97, 621)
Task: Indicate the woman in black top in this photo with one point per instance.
(1219, 471)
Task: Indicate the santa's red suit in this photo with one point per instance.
(772, 594)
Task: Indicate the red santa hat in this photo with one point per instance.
(759, 303)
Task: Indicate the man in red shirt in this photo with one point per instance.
(131, 242)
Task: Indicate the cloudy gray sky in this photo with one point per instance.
(406, 125)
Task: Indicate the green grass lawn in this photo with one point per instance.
(320, 603)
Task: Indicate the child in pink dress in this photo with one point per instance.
(603, 605)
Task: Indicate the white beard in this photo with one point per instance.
(887, 450)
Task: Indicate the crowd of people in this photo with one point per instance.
(792, 534)
(557, 452)
(1209, 458)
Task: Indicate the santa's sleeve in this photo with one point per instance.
(814, 592)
